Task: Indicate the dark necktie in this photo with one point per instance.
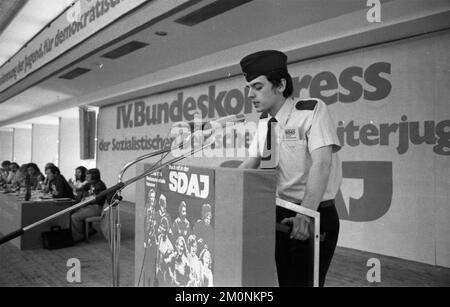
(268, 160)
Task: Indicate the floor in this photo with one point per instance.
(44, 268)
(48, 268)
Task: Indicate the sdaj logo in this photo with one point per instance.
(366, 191)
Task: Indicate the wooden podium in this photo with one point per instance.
(227, 213)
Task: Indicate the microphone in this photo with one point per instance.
(192, 125)
(214, 124)
(207, 128)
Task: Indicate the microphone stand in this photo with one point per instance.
(113, 191)
(114, 216)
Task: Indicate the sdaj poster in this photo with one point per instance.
(179, 228)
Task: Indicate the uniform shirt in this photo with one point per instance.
(302, 127)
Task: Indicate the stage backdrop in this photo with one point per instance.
(390, 104)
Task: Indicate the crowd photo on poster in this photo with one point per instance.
(179, 231)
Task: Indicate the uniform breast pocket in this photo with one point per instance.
(293, 155)
(297, 146)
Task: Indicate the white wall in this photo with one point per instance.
(6, 145)
(69, 157)
(44, 144)
(22, 145)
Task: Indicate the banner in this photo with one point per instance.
(80, 21)
(390, 107)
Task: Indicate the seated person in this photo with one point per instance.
(4, 172)
(46, 185)
(57, 183)
(36, 176)
(19, 177)
(80, 182)
(94, 187)
(13, 168)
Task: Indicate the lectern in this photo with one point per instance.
(205, 227)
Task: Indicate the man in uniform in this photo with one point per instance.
(298, 139)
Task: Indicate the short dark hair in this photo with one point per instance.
(95, 174)
(275, 77)
(54, 169)
(48, 165)
(6, 163)
(15, 164)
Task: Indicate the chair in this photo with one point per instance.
(88, 221)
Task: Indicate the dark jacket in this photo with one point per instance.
(95, 189)
(61, 186)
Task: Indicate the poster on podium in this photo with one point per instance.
(205, 227)
(179, 228)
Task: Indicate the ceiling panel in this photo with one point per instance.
(8, 10)
(185, 43)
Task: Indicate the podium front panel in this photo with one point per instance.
(245, 228)
(205, 227)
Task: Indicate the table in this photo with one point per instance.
(15, 213)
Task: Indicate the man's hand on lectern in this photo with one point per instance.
(300, 226)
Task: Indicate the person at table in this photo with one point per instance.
(35, 176)
(94, 187)
(46, 184)
(18, 180)
(4, 172)
(58, 185)
(13, 168)
(80, 182)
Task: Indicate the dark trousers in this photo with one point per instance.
(293, 260)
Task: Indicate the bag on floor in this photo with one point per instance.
(57, 238)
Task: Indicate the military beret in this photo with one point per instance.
(263, 62)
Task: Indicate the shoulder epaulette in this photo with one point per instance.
(307, 104)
